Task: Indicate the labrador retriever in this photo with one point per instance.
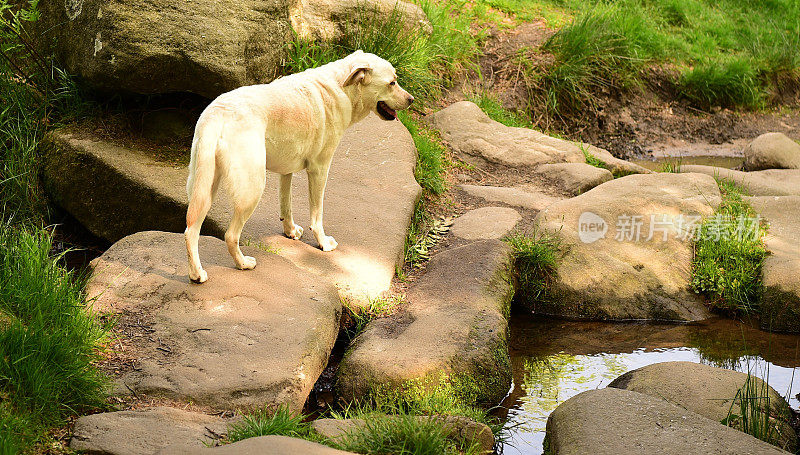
(290, 124)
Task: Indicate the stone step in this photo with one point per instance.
(770, 182)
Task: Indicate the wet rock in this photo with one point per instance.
(204, 47)
(705, 390)
(528, 198)
(613, 421)
(145, 431)
(116, 191)
(780, 306)
(262, 445)
(243, 340)
(485, 223)
(479, 140)
(770, 182)
(462, 430)
(451, 338)
(574, 178)
(611, 266)
(772, 151)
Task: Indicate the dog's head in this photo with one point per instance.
(380, 91)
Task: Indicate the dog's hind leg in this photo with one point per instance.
(246, 188)
(291, 230)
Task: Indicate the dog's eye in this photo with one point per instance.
(392, 83)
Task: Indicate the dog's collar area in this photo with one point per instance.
(386, 112)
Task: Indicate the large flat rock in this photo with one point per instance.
(613, 421)
(450, 338)
(146, 431)
(611, 267)
(574, 178)
(780, 306)
(706, 390)
(116, 191)
(528, 198)
(485, 223)
(262, 445)
(478, 139)
(240, 341)
(769, 182)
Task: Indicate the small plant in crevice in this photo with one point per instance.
(419, 251)
(535, 262)
(357, 318)
(671, 166)
(265, 422)
(755, 412)
(729, 253)
(591, 159)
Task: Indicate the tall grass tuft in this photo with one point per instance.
(536, 261)
(400, 435)
(729, 253)
(48, 342)
(266, 422)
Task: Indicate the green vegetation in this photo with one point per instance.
(591, 159)
(535, 260)
(357, 318)
(729, 253)
(266, 422)
(754, 412)
(726, 53)
(495, 110)
(48, 341)
(671, 166)
(424, 63)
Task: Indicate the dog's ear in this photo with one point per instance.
(360, 74)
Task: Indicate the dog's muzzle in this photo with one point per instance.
(386, 112)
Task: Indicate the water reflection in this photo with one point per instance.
(555, 360)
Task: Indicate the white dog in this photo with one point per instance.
(291, 124)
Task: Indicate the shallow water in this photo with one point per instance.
(554, 360)
(657, 164)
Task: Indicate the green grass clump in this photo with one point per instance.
(376, 308)
(49, 343)
(424, 62)
(536, 261)
(267, 422)
(495, 110)
(591, 159)
(431, 155)
(729, 253)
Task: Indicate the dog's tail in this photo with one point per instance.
(202, 167)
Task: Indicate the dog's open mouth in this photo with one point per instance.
(385, 111)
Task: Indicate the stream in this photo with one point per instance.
(554, 360)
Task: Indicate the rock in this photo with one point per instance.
(451, 338)
(772, 151)
(479, 140)
(601, 277)
(243, 340)
(145, 431)
(770, 182)
(485, 223)
(528, 198)
(116, 191)
(168, 126)
(463, 431)
(705, 390)
(262, 445)
(613, 421)
(204, 47)
(780, 306)
(574, 178)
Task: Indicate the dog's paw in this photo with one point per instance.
(201, 277)
(328, 243)
(248, 263)
(294, 233)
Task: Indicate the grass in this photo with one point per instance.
(495, 110)
(360, 317)
(754, 412)
(399, 434)
(536, 261)
(729, 253)
(49, 343)
(591, 159)
(722, 53)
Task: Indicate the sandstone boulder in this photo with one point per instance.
(146, 431)
(707, 391)
(480, 140)
(528, 198)
(612, 421)
(780, 306)
(451, 338)
(627, 249)
(243, 340)
(262, 445)
(116, 191)
(204, 47)
(770, 182)
(574, 178)
(772, 151)
(485, 223)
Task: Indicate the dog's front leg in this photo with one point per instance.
(317, 177)
(291, 230)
